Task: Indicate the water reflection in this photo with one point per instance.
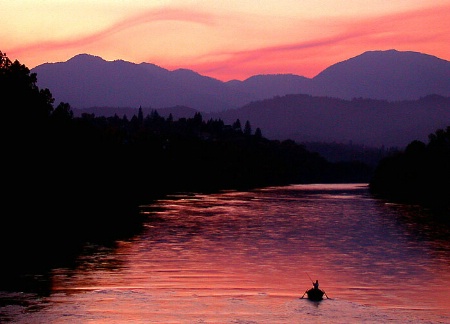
(246, 256)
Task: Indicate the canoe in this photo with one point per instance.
(315, 294)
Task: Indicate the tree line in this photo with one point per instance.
(420, 174)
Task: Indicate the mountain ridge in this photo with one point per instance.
(385, 75)
(87, 81)
(369, 122)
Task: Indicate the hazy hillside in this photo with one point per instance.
(369, 122)
(89, 81)
(271, 85)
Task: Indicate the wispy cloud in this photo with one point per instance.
(412, 30)
(225, 45)
(150, 16)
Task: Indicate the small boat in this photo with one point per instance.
(315, 294)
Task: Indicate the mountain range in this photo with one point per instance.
(376, 98)
(87, 81)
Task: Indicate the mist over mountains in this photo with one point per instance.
(377, 98)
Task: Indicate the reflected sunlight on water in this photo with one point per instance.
(245, 257)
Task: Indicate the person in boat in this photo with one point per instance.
(316, 284)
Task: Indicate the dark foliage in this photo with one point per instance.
(69, 180)
(420, 174)
(339, 152)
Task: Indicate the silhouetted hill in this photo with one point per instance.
(271, 85)
(389, 75)
(369, 122)
(89, 81)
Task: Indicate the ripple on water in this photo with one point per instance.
(246, 257)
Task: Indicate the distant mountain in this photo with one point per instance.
(389, 75)
(376, 123)
(89, 81)
(271, 85)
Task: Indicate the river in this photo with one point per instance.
(249, 257)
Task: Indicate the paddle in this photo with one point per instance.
(325, 294)
(310, 278)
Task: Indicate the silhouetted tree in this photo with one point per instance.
(258, 133)
(237, 125)
(154, 115)
(140, 115)
(19, 95)
(62, 112)
(247, 128)
(170, 118)
(198, 119)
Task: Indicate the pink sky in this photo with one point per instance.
(223, 39)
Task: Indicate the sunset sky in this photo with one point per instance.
(231, 39)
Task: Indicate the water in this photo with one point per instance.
(246, 257)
